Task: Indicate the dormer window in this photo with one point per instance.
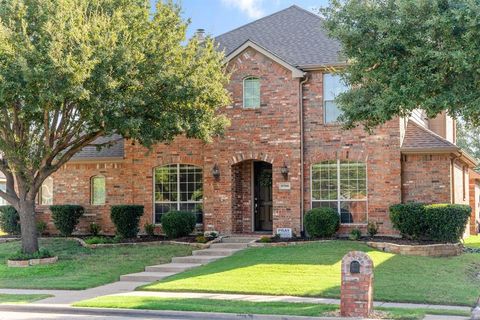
(251, 92)
(332, 86)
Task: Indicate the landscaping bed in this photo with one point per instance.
(82, 268)
(313, 269)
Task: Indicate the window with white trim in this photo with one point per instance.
(178, 187)
(3, 187)
(98, 190)
(45, 195)
(251, 92)
(332, 87)
(341, 185)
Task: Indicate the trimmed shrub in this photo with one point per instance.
(322, 222)
(9, 220)
(409, 219)
(149, 229)
(126, 219)
(372, 228)
(178, 224)
(94, 229)
(265, 239)
(355, 234)
(201, 239)
(65, 217)
(446, 222)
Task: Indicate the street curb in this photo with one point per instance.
(39, 308)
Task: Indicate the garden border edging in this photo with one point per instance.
(427, 250)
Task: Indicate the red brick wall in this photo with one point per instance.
(474, 188)
(380, 151)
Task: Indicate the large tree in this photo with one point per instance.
(405, 54)
(74, 70)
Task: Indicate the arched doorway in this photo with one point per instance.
(252, 197)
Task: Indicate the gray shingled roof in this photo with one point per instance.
(295, 35)
(91, 152)
(418, 137)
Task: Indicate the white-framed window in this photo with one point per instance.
(45, 196)
(251, 92)
(3, 187)
(332, 86)
(178, 187)
(341, 185)
(98, 190)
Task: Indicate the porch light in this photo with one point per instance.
(284, 170)
(216, 171)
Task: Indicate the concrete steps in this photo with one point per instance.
(146, 276)
(227, 247)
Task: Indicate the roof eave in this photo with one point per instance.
(323, 67)
(442, 150)
(296, 73)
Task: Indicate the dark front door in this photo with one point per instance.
(262, 173)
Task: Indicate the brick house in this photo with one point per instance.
(283, 154)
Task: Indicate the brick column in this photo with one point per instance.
(357, 285)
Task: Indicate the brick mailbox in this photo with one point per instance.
(357, 285)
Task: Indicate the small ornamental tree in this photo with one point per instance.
(74, 70)
(405, 55)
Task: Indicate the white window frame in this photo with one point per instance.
(3, 202)
(338, 200)
(178, 202)
(40, 193)
(259, 92)
(92, 191)
(325, 102)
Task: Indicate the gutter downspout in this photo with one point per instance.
(452, 173)
(302, 184)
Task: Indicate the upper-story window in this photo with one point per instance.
(332, 86)
(98, 190)
(3, 187)
(45, 196)
(251, 92)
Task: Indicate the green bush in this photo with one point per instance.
(126, 219)
(409, 219)
(178, 224)
(372, 228)
(355, 234)
(322, 222)
(201, 239)
(149, 229)
(446, 222)
(94, 229)
(9, 220)
(65, 217)
(40, 254)
(99, 240)
(265, 239)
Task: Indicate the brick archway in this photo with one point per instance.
(246, 156)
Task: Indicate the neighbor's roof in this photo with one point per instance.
(107, 152)
(294, 35)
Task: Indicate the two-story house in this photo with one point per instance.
(283, 154)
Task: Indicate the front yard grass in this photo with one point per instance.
(21, 298)
(473, 242)
(314, 270)
(81, 268)
(247, 307)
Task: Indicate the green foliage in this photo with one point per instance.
(9, 220)
(99, 240)
(409, 219)
(178, 224)
(437, 222)
(149, 229)
(372, 228)
(40, 254)
(468, 138)
(355, 234)
(405, 55)
(322, 222)
(265, 239)
(94, 229)
(41, 227)
(446, 222)
(66, 217)
(201, 239)
(126, 219)
(74, 70)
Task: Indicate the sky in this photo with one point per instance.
(220, 16)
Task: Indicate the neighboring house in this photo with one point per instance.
(283, 154)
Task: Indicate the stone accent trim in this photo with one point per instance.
(430, 250)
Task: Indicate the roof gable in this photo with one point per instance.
(419, 138)
(294, 35)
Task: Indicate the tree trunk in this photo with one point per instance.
(28, 226)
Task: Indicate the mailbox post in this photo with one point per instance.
(357, 285)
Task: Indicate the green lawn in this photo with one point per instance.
(314, 270)
(473, 242)
(79, 267)
(246, 307)
(21, 298)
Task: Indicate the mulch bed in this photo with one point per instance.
(400, 241)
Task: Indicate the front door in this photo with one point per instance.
(262, 210)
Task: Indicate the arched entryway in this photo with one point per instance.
(252, 205)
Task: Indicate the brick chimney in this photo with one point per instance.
(200, 35)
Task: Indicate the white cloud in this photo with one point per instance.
(252, 8)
